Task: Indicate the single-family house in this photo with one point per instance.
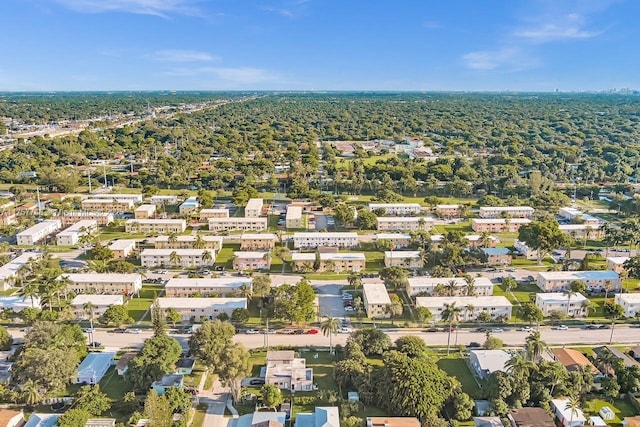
(287, 371)
(185, 365)
(573, 360)
(321, 417)
(38, 419)
(123, 363)
(486, 362)
(167, 381)
(93, 368)
(566, 416)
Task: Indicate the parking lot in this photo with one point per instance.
(330, 297)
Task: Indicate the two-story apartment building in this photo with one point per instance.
(312, 240)
(36, 233)
(107, 205)
(336, 262)
(155, 226)
(108, 283)
(630, 303)
(498, 256)
(293, 219)
(498, 225)
(557, 301)
(99, 304)
(482, 286)
(190, 206)
(258, 242)
(198, 309)
(251, 261)
(596, 281)
(404, 223)
(254, 208)
(166, 200)
(238, 223)
(398, 240)
(496, 306)
(102, 218)
(72, 234)
(396, 209)
(10, 269)
(512, 211)
(178, 257)
(376, 300)
(404, 259)
(206, 287)
(135, 198)
(189, 241)
(207, 214)
(616, 263)
(448, 211)
(145, 211)
(582, 231)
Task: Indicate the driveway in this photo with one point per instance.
(321, 221)
(329, 294)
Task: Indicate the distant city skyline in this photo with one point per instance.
(319, 45)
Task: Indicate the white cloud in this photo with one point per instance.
(236, 75)
(177, 55)
(279, 11)
(512, 59)
(144, 7)
(567, 27)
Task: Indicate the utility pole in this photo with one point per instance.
(38, 200)
(89, 178)
(104, 171)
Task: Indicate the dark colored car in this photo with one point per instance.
(299, 331)
(256, 381)
(474, 344)
(119, 330)
(95, 344)
(432, 330)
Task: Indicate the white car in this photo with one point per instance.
(526, 329)
(345, 330)
(347, 296)
(497, 330)
(349, 308)
(134, 331)
(161, 272)
(252, 331)
(561, 328)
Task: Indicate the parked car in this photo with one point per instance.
(95, 344)
(299, 331)
(269, 331)
(286, 331)
(349, 308)
(561, 328)
(526, 329)
(497, 330)
(134, 331)
(312, 331)
(256, 381)
(592, 326)
(88, 330)
(347, 296)
(252, 331)
(475, 344)
(345, 330)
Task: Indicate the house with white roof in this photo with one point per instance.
(482, 286)
(189, 206)
(404, 259)
(558, 281)
(287, 371)
(312, 240)
(195, 309)
(293, 219)
(251, 260)
(181, 287)
(557, 301)
(376, 300)
(567, 416)
(122, 248)
(486, 362)
(36, 233)
(497, 306)
(93, 367)
(38, 419)
(99, 304)
(68, 218)
(321, 417)
(616, 263)
(630, 303)
(396, 209)
(164, 200)
(10, 269)
(254, 208)
(512, 211)
(185, 257)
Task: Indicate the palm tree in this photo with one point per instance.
(439, 290)
(173, 239)
(330, 327)
(469, 309)
(30, 290)
(246, 292)
(31, 392)
(199, 243)
(451, 287)
(206, 257)
(485, 239)
(607, 287)
(450, 314)
(575, 287)
(89, 308)
(471, 286)
(174, 258)
(534, 346)
(355, 280)
(573, 404)
(518, 366)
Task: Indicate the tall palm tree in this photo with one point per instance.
(573, 405)
(450, 287)
(206, 257)
(518, 366)
(89, 308)
(173, 239)
(534, 346)
(330, 327)
(450, 314)
(470, 287)
(246, 292)
(30, 290)
(31, 392)
(199, 243)
(607, 287)
(469, 310)
(174, 258)
(355, 280)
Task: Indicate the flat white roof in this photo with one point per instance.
(476, 237)
(121, 244)
(190, 202)
(576, 415)
(342, 256)
(629, 298)
(506, 208)
(86, 223)
(255, 203)
(143, 208)
(258, 236)
(328, 235)
(41, 226)
(491, 360)
(618, 260)
(394, 205)
(98, 300)
(201, 303)
(214, 210)
(102, 278)
(108, 201)
(294, 211)
(191, 238)
(501, 220)
(392, 236)
(405, 218)
(401, 254)
(87, 214)
(10, 268)
(376, 293)
(250, 254)
(579, 275)
(116, 196)
(156, 221)
(435, 281)
(559, 297)
(462, 301)
(18, 302)
(180, 252)
(230, 282)
(447, 206)
(238, 219)
(579, 227)
(303, 256)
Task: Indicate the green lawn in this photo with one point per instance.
(457, 367)
(225, 256)
(199, 415)
(139, 306)
(620, 407)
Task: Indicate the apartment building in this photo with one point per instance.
(206, 287)
(448, 211)
(99, 304)
(189, 241)
(404, 259)
(557, 301)
(398, 240)
(558, 281)
(496, 306)
(396, 209)
(164, 200)
(258, 242)
(312, 240)
(122, 248)
(293, 219)
(183, 257)
(630, 303)
(155, 226)
(512, 211)
(10, 269)
(583, 231)
(189, 206)
(498, 256)
(145, 211)
(253, 208)
(72, 234)
(335, 262)
(376, 300)
(135, 198)
(36, 233)
(107, 205)
(482, 286)
(525, 250)
(8, 217)
(238, 223)
(404, 223)
(479, 241)
(102, 218)
(251, 261)
(498, 225)
(108, 283)
(199, 309)
(616, 263)
(207, 214)
(576, 215)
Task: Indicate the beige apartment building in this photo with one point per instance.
(37, 232)
(616, 263)
(251, 261)
(293, 219)
(99, 304)
(258, 242)
(206, 214)
(511, 211)
(398, 240)
(145, 212)
(107, 205)
(102, 218)
(312, 240)
(122, 248)
(335, 262)
(596, 280)
(396, 209)
(498, 225)
(111, 283)
(135, 198)
(376, 300)
(238, 223)
(189, 241)
(155, 226)
(496, 306)
(254, 208)
(184, 257)
(404, 259)
(198, 309)
(206, 287)
(448, 211)
(405, 223)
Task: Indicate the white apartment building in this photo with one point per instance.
(72, 235)
(155, 226)
(335, 262)
(399, 240)
(251, 260)
(581, 231)
(122, 248)
(108, 283)
(198, 309)
(557, 301)
(630, 303)
(513, 211)
(102, 218)
(309, 240)
(100, 304)
(186, 257)
(498, 225)
(188, 241)
(427, 285)
(135, 198)
(616, 263)
(206, 287)
(404, 223)
(524, 250)
(9, 270)
(293, 219)
(107, 205)
(145, 211)
(404, 259)
(164, 200)
(206, 214)
(376, 300)
(258, 242)
(238, 223)
(448, 211)
(496, 306)
(35, 233)
(557, 281)
(478, 241)
(189, 206)
(253, 208)
(396, 209)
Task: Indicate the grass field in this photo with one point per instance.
(139, 306)
(457, 367)
(621, 409)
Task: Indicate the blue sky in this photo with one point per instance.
(538, 45)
